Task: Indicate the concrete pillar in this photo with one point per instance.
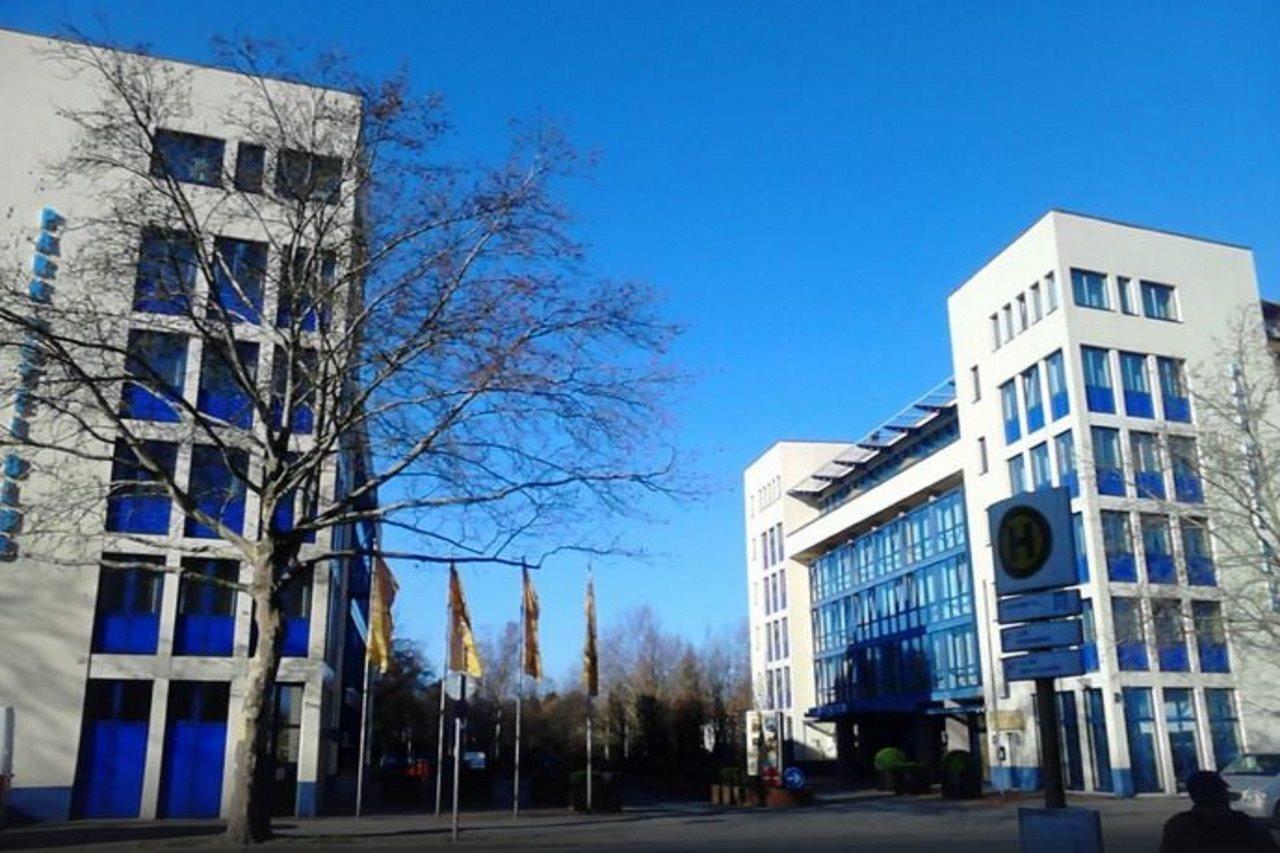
(149, 807)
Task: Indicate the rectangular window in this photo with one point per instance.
(1017, 475)
(1081, 549)
(305, 283)
(251, 167)
(976, 382)
(1157, 546)
(1037, 305)
(1064, 447)
(1095, 714)
(982, 455)
(157, 367)
(226, 380)
(1131, 639)
(1051, 292)
(1148, 473)
(1034, 398)
(1009, 407)
(1180, 722)
(218, 478)
(1211, 636)
(786, 639)
(1224, 724)
(1140, 723)
(996, 340)
(240, 267)
(1126, 295)
(296, 381)
(1197, 552)
(166, 272)
(1185, 463)
(1107, 462)
(1137, 387)
(138, 502)
(187, 157)
(1098, 393)
(206, 607)
(127, 615)
(1173, 389)
(303, 176)
(1117, 542)
(1006, 321)
(1171, 639)
(1023, 321)
(1089, 289)
(1059, 404)
(1041, 472)
(1158, 302)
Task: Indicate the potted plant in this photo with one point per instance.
(886, 763)
(961, 776)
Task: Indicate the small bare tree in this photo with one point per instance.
(340, 333)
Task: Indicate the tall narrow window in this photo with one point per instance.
(1017, 475)
(1157, 545)
(1140, 726)
(226, 378)
(1224, 724)
(157, 367)
(187, 157)
(1117, 542)
(1023, 319)
(1081, 548)
(982, 455)
(1158, 302)
(1041, 473)
(1097, 380)
(1034, 397)
(1064, 447)
(166, 272)
(1050, 293)
(996, 340)
(1059, 404)
(218, 479)
(1126, 295)
(1211, 636)
(306, 291)
(1148, 473)
(1186, 469)
(1107, 463)
(1131, 639)
(1006, 321)
(1171, 636)
(239, 269)
(206, 607)
(296, 382)
(138, 501)
(1009, 407)
(1180, 723)
(250, 167)
(1037, 305)
(1089, 289)
(1173, 390)
(976, 382)
(1196, 550)
(301, 175)
(1137, 387)
(127, 615)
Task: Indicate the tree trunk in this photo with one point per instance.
(249, 819)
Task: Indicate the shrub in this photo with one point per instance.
(961, 775)
(889, 759)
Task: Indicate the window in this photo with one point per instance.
(1023, 321)
(1224, 724)
(1196, 551)
(113, 747)
(1037, 306)
(1211, 636)
(1097, 380)
(1107, 463)
(138, 502)
(303, 176)
(1173, 389)
(225, 378)
(982, 454)
(301, 377)
(1131, 640)
(1006, 321)
(786, 638)
(304, 283)
(1041, 473)
(1034, 398)
(239, 269)
(1157, 301)
(1051, 293)
(996, 340)
(1137, 387)
(1017, 475)
(977, 384)
(1096, 717)
(1180, 722)
(1126, 295)
(1082, 552)
(1064, 447)
(1009, 406)
(206, 607)
(1140, 724)
(166, 272)
(251, 167)
(1057, 374)
(1117, 542)
(782, 587)
(218, 487)
(1148, 474)
(1157, 545)
(1186, 469)
(187, 157)
(127, 616)
(1089, 289)
(157, 366)
(1171, 640)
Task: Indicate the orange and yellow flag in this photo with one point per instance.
(532, 662)
(463, 655)
(590, 661)
(381, 598)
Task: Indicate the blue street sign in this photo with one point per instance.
(793, 778)
(1058, 663)
(1049, 634)
(1039, 605)
(1033, 541)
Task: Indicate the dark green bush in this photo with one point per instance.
(889, 758)
(961, 775)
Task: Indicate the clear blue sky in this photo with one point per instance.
(806, 182)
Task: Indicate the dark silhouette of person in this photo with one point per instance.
(1211, 824)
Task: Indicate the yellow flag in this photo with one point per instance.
(463, 656)
(532, 654)
(380, 599)
(590, 663)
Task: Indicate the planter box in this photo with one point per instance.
(781, 798)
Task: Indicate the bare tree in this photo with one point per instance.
(398, 342)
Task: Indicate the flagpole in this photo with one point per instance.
(457, 749)
(515, 782)
(589, 752)
(365, 709)
(444, 677)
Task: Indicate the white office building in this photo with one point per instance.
(1073, 354)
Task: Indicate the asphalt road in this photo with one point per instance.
(871, 822)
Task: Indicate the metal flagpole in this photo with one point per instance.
(365, 706)
(515, 782)
(444, 678)
(457, 747)
(589, 703)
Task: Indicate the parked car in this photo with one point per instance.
(1254, 778)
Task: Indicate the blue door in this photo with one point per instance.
(194, 746)
(1098, 741)
(113, 749)
(1069, 738)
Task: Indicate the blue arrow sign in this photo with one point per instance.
(1049, 634)
(1058, 663)
(793, 778)
(1039, 605)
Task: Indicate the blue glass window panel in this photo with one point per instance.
(1157, 301)
(1031, 392)
(1150, 484)
(1137, 388)
(301, 281)
(1140, 722)
(1173, 389)
(1065, 450)
(1009, 406)
(1099, 396)
(1082, 554)
(220, 395)
(113, 749)
(1131, 645)
(218, 487)
(1157, 543)
(1059, 405)
(166, 273)
(1041, 473)
(1095, 714)
(304, 176)
(301, 419)
(1223, 725)
(137, 502)
(1195, 548)
(127, 614)
(250, 167)
(1017, 475)
(1108, 464)
(187, 157)
(205, 623)
(1180, 722)
(297, 633)
(194, 750)
(1186, 469)
(1211, 637)
(1089, 289)
(239, 271)
(1177, 409)
(158, 363)
(1171, 641)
